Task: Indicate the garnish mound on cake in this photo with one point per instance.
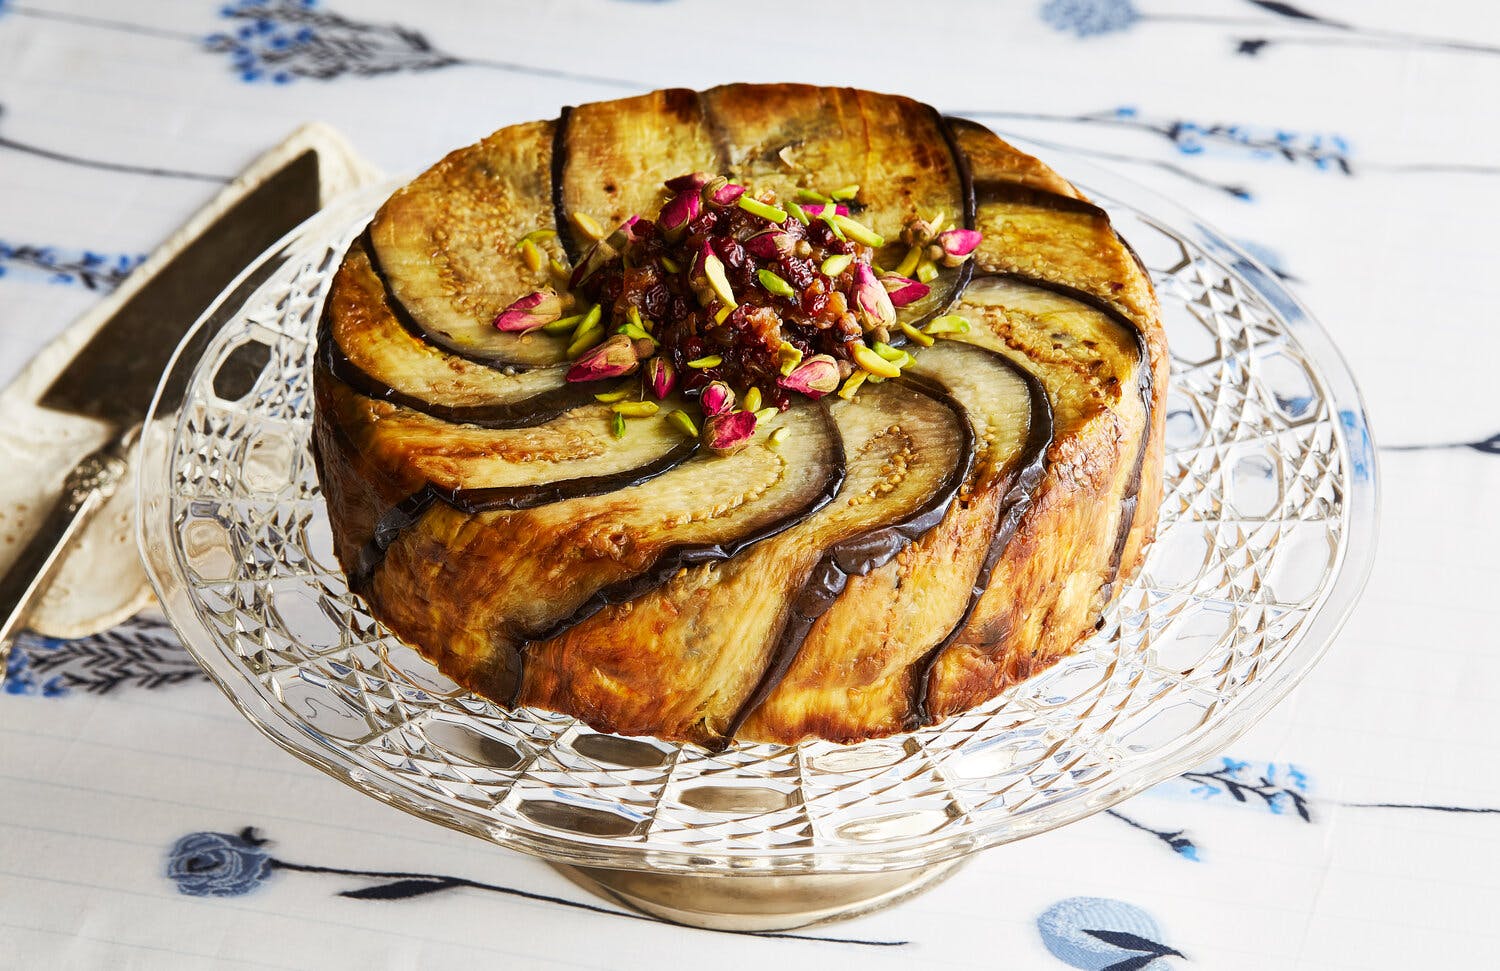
(763, 413)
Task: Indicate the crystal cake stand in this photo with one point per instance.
(1267, 534)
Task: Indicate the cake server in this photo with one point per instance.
(114, 375)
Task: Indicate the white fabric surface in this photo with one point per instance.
(113, 750)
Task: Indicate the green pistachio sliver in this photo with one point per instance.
(811, 195)
(852, 383)
(831, 220)
(531, 256)
(617, 424)
(584, 341)
(636, 409)
(836, 264)
(844, 193)
(560, 271)
(591, 322)
(683, 421)
(914, 335)
(859, 232)
(635, 333)
(708, 361)
(948, 324)
(563, 325)
(789, 357)
(586, 224)
(908, 265)
(875, 379)
(533, 236)
(775, 284)
(670, 265)
(886, 351)
(634, 316)
(764, 211)
(798, 213)
(927, 271)
(871, 361)
(779, 435)
(722, 314)
(765, 414)
(610, 397)
(751, 400)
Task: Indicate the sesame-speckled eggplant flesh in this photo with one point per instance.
(898, 151)
(368, 347)
(893, 560)
(854, 667)
(521, 573)
(720, 627)
(446, 243)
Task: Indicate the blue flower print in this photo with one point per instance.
(1088, 17)
(21, 676)
(1100, 934)
(218, 864)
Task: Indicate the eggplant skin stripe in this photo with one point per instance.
(886, 560)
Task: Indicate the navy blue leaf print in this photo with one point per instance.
(401, 889)
(1132, 964)
(139, 653)
(1287, 10)
(1133, 942)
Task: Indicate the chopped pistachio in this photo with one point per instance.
(586, 224)
(844, 193)
(636, 409)
(584, 341)
(831, 219)
(617, 424)
(559, 270)
(670, 265)
(788, 357)
(836, 264)
(798, 213)
(811, 195)
(635, 332)
(873, 362)
(948, 324)
(779, 435)
(531, 256)
(875, 379)
(758, 208)
(683, 421)
(852, 383)
(533, 236)
(722, 314)
(708, 361)
(564, 325)
(775, 284)
(718, 280)
(766, 414)
(927, 271)
(590, 321)
(859, 232)
(908, 264)
(610, 397)
(886, 351)
(752, 400)
(914, 335)
(785, 154)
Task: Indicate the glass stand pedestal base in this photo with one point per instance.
(756, 903)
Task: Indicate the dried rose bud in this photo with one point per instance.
(871, 302)
(678, 212)
(720, 192)
(816, 209)
(729, 431)
(625, 234)
(770, 245)
(613, 359)
(691, 182)
(531, 311)
(594, 258)
(903, 290)
(918, 232)
(661, 377)
(814, 377)
(717, 398)
(958, 245)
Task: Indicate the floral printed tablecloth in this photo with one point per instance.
(1352, 146)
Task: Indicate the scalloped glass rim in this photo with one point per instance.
(1221, 723)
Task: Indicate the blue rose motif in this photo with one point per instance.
(1089, 17)
(21, 678)
(218, 864)
(1100, 934)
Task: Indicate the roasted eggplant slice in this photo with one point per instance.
(728, 630)
(366, 346)
(613, 157)
(521, 574)
(853, 672)
(446, 244)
